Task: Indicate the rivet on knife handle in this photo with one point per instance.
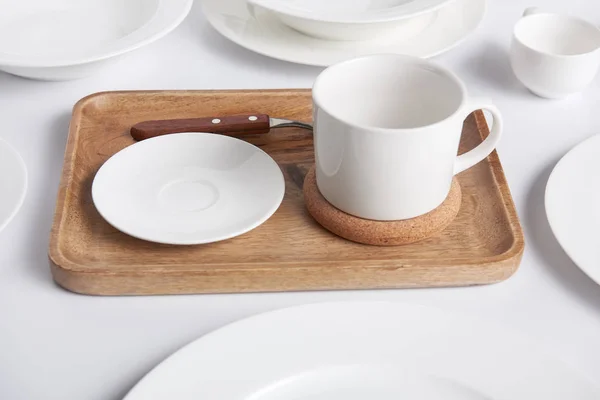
(250, 123)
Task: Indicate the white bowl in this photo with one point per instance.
(69, 39)
(554, 55)
(359, 20)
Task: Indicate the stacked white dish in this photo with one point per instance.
(323, 33)
(69, 39)
(13, 183)
(363, 350)
(356, 20)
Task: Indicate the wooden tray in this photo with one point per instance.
(288, 252)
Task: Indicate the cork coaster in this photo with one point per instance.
(379, 233)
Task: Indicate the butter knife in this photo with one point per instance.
(232, 124)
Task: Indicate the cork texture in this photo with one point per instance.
(379, 233)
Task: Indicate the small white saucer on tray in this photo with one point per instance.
(69, 39)
(354, 20)
(13, 183)
(573, 205)
(265, 34)
(188, 188)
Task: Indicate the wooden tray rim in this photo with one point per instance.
(60, 261)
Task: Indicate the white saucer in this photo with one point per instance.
(362, 350)
(13, 183)
(573, 205)
(268, 36)
(188, 188)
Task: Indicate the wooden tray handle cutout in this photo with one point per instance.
(250, 123)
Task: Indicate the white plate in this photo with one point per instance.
(188, 188)
(267, 35)
(362, 350)
(65, 39)
(13, 183)
(573, 205)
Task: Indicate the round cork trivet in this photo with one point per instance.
(379, 233)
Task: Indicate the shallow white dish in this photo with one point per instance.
(573, 205)
(267, 35)
(188, 188)
(354, 20)
(362, 350)
(13, 183)
(69, 39)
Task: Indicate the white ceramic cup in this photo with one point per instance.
(386, 133)
(554, 55)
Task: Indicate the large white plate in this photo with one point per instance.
(188, 188)
(66, 39)
(573, 205)
(13, 183)
(362, 350)
(268, 36)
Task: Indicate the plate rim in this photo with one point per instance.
(25, 184)
(172, 357)
(551, 217)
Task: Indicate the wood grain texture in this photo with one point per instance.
(229, 124)
(290, 251)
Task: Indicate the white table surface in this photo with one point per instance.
(59, 345)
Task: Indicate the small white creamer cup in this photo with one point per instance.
(554, 55)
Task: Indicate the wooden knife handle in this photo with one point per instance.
(251, 123)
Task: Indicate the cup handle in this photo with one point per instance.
(472, 157)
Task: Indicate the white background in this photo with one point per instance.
(59, 345)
